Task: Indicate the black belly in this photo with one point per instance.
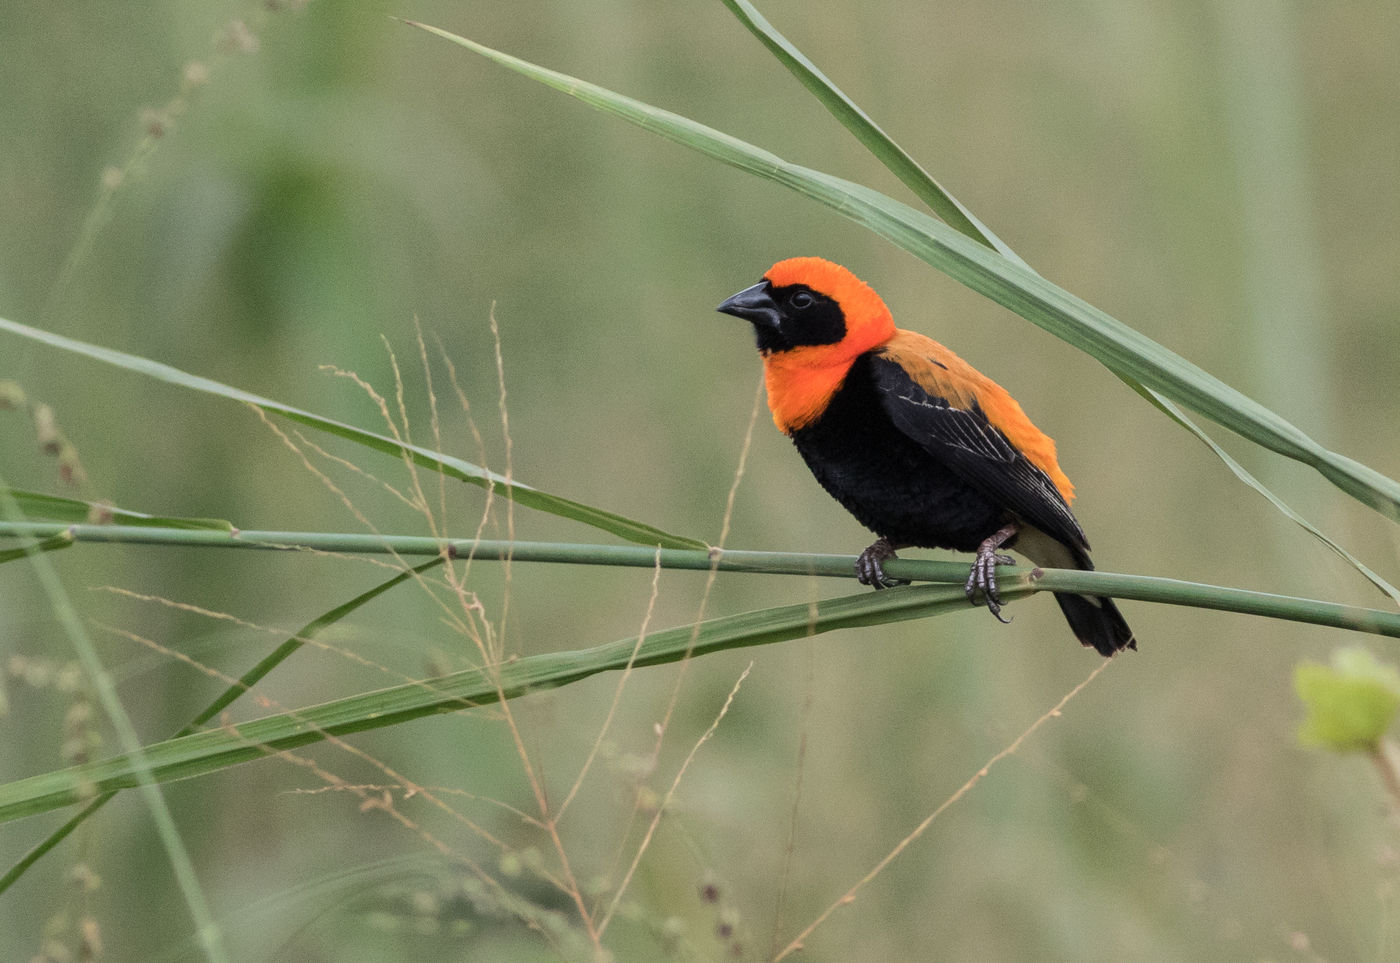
(892, 485)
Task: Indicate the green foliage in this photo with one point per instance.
(319, 179)
(1351, 703)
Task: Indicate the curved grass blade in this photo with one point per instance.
(1122, 350)
(869, 133)
(1243, 474)
(249, 679)
(311, 897)
(519, 492)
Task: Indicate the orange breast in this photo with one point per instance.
(801, 381)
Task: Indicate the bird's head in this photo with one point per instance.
(810, 302)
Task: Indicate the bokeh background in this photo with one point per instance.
(1220, 175)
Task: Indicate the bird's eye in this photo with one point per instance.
(802, 300)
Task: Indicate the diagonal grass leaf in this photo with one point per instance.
(450, 465)
(898, 161)
(1124, 351)
(215, 749)
(869, 133)
(1244, 475)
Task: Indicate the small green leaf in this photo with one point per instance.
(56, 508)
(1351, 703)
(51, 544)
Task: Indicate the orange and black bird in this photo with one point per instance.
(919, 446)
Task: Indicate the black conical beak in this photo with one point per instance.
(755, 305)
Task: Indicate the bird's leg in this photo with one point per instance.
(983, 577)
(869, 567)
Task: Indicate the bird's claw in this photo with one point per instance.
(983, 579)
(870, 566)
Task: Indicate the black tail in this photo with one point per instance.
(1096, 621)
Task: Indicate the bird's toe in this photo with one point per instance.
(870, 568)
(982, 580)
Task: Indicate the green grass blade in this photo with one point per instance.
(869, 133)
(1244, 475)
(519, 492)
(246, 682)
(1124, 351)
(59, 509)
(51, 544)
(225, 746)
(309, 631)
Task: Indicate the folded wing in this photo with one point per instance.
(958, 432)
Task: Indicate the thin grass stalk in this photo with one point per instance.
(1139, 587)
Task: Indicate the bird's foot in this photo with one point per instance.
(983, 577)
(870, 566)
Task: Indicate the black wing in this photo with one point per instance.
(976, 452)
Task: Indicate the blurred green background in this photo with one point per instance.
(1221, 176)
